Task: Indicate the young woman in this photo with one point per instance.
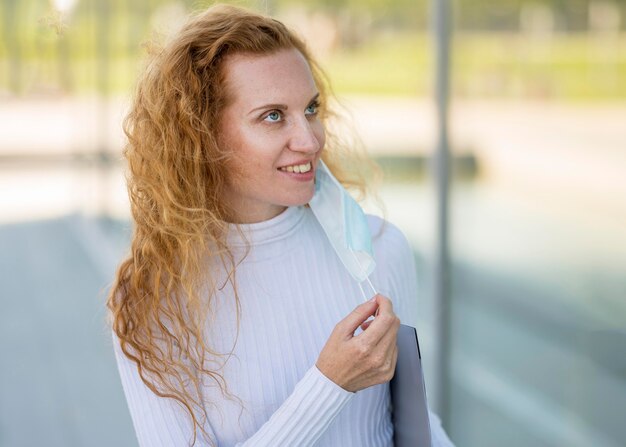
(234, 321)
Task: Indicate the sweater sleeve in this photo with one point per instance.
(300, 420)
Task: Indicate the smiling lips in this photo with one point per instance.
(299, 169)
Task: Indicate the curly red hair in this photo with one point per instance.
(176, 175)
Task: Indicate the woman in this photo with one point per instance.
(234, 322)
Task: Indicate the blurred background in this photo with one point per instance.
(528, 343)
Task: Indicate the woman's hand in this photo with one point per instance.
(369, 358)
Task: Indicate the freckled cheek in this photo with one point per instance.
(249, 165)
(320, 134)
(248, 154)
(240, 169)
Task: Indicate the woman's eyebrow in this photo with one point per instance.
(279, 106)
(269, 106)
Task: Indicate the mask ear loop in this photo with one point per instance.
(365, 298)
(362, 291)
(367, 278)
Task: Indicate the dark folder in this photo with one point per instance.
(408, 394)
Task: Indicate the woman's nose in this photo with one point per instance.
(303, 137)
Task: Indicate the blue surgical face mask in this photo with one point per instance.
(345, 225)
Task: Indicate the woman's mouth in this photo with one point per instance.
(298, 169)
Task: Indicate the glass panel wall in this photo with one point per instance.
(539, 233)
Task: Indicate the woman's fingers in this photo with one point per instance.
(385, 323)
(362, 312)
(357, 362)
(365, 325)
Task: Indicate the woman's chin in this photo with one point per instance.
(304, 199)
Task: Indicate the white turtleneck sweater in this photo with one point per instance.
(293, 290)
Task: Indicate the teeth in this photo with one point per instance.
(300, 169)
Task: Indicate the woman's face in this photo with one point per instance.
(272, 127)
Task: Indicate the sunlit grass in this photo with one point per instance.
(568, 67)
(389, 64)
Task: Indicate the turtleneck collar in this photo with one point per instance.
(274, 229)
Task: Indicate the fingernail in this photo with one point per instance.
(373, 299)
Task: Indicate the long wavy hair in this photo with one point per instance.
(176, 175)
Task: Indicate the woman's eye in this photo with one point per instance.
(273, 117)
(312, 109)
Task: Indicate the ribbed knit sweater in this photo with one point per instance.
(293, 290)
